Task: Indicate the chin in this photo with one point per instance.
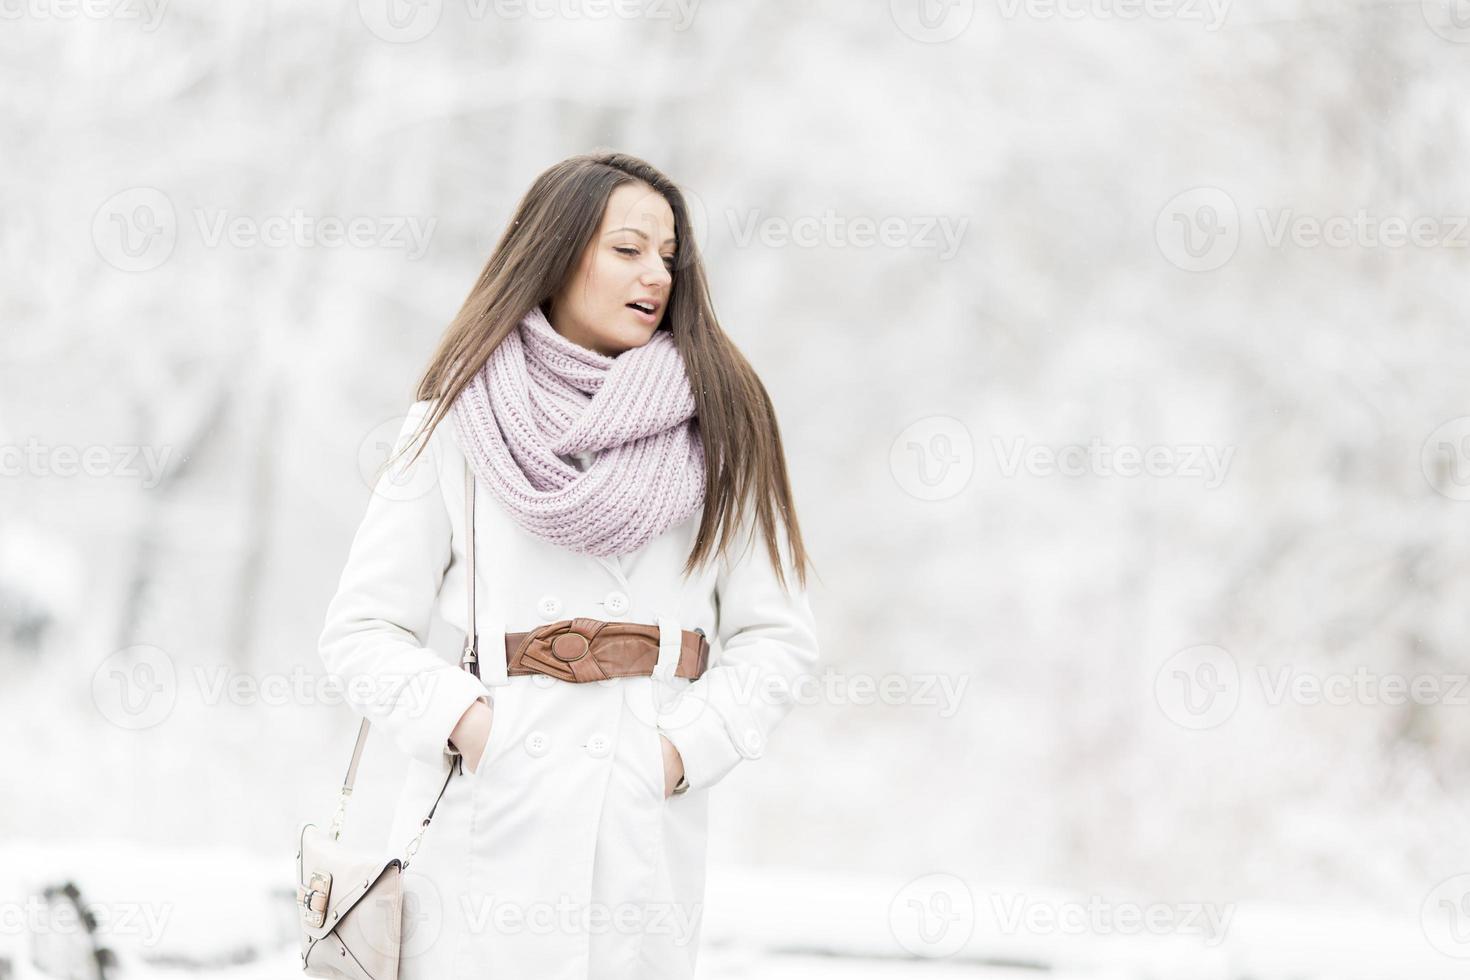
(627, 339)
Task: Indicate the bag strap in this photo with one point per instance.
(469, 661)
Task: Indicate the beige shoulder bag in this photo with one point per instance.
(350, 902)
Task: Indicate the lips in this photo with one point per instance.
(644, 306)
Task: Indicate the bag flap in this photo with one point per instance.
(353, 874)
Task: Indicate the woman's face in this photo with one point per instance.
(629, 261)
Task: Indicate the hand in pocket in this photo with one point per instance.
(472, 734)
(673, 765)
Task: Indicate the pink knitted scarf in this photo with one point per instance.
(541, 396)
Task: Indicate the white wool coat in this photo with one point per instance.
(559, 857)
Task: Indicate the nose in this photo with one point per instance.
(657, 274)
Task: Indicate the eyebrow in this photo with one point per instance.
(640, 234)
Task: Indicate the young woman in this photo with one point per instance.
(628, 469)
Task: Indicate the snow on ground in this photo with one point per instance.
(222, 913)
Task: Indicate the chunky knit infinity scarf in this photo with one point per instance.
(540, 397)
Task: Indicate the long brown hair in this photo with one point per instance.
(553, 225)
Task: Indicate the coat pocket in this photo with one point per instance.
(501, 723)
(657, 769)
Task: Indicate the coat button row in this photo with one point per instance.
(538, 743)
(617, 603)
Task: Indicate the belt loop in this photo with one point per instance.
(670, 644)
(492, 654)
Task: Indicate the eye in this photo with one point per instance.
(631, 250)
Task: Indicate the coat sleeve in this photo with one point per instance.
(376, 624)
(768, 642)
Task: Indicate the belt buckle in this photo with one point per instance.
(562, 650)
(565, 644)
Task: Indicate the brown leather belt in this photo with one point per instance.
(581, 650)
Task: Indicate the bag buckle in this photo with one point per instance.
(311, 898)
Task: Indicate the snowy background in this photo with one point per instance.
(1120, 353)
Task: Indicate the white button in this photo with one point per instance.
(598, 745)
(616, 602)
(537, 744)
(549, 606)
